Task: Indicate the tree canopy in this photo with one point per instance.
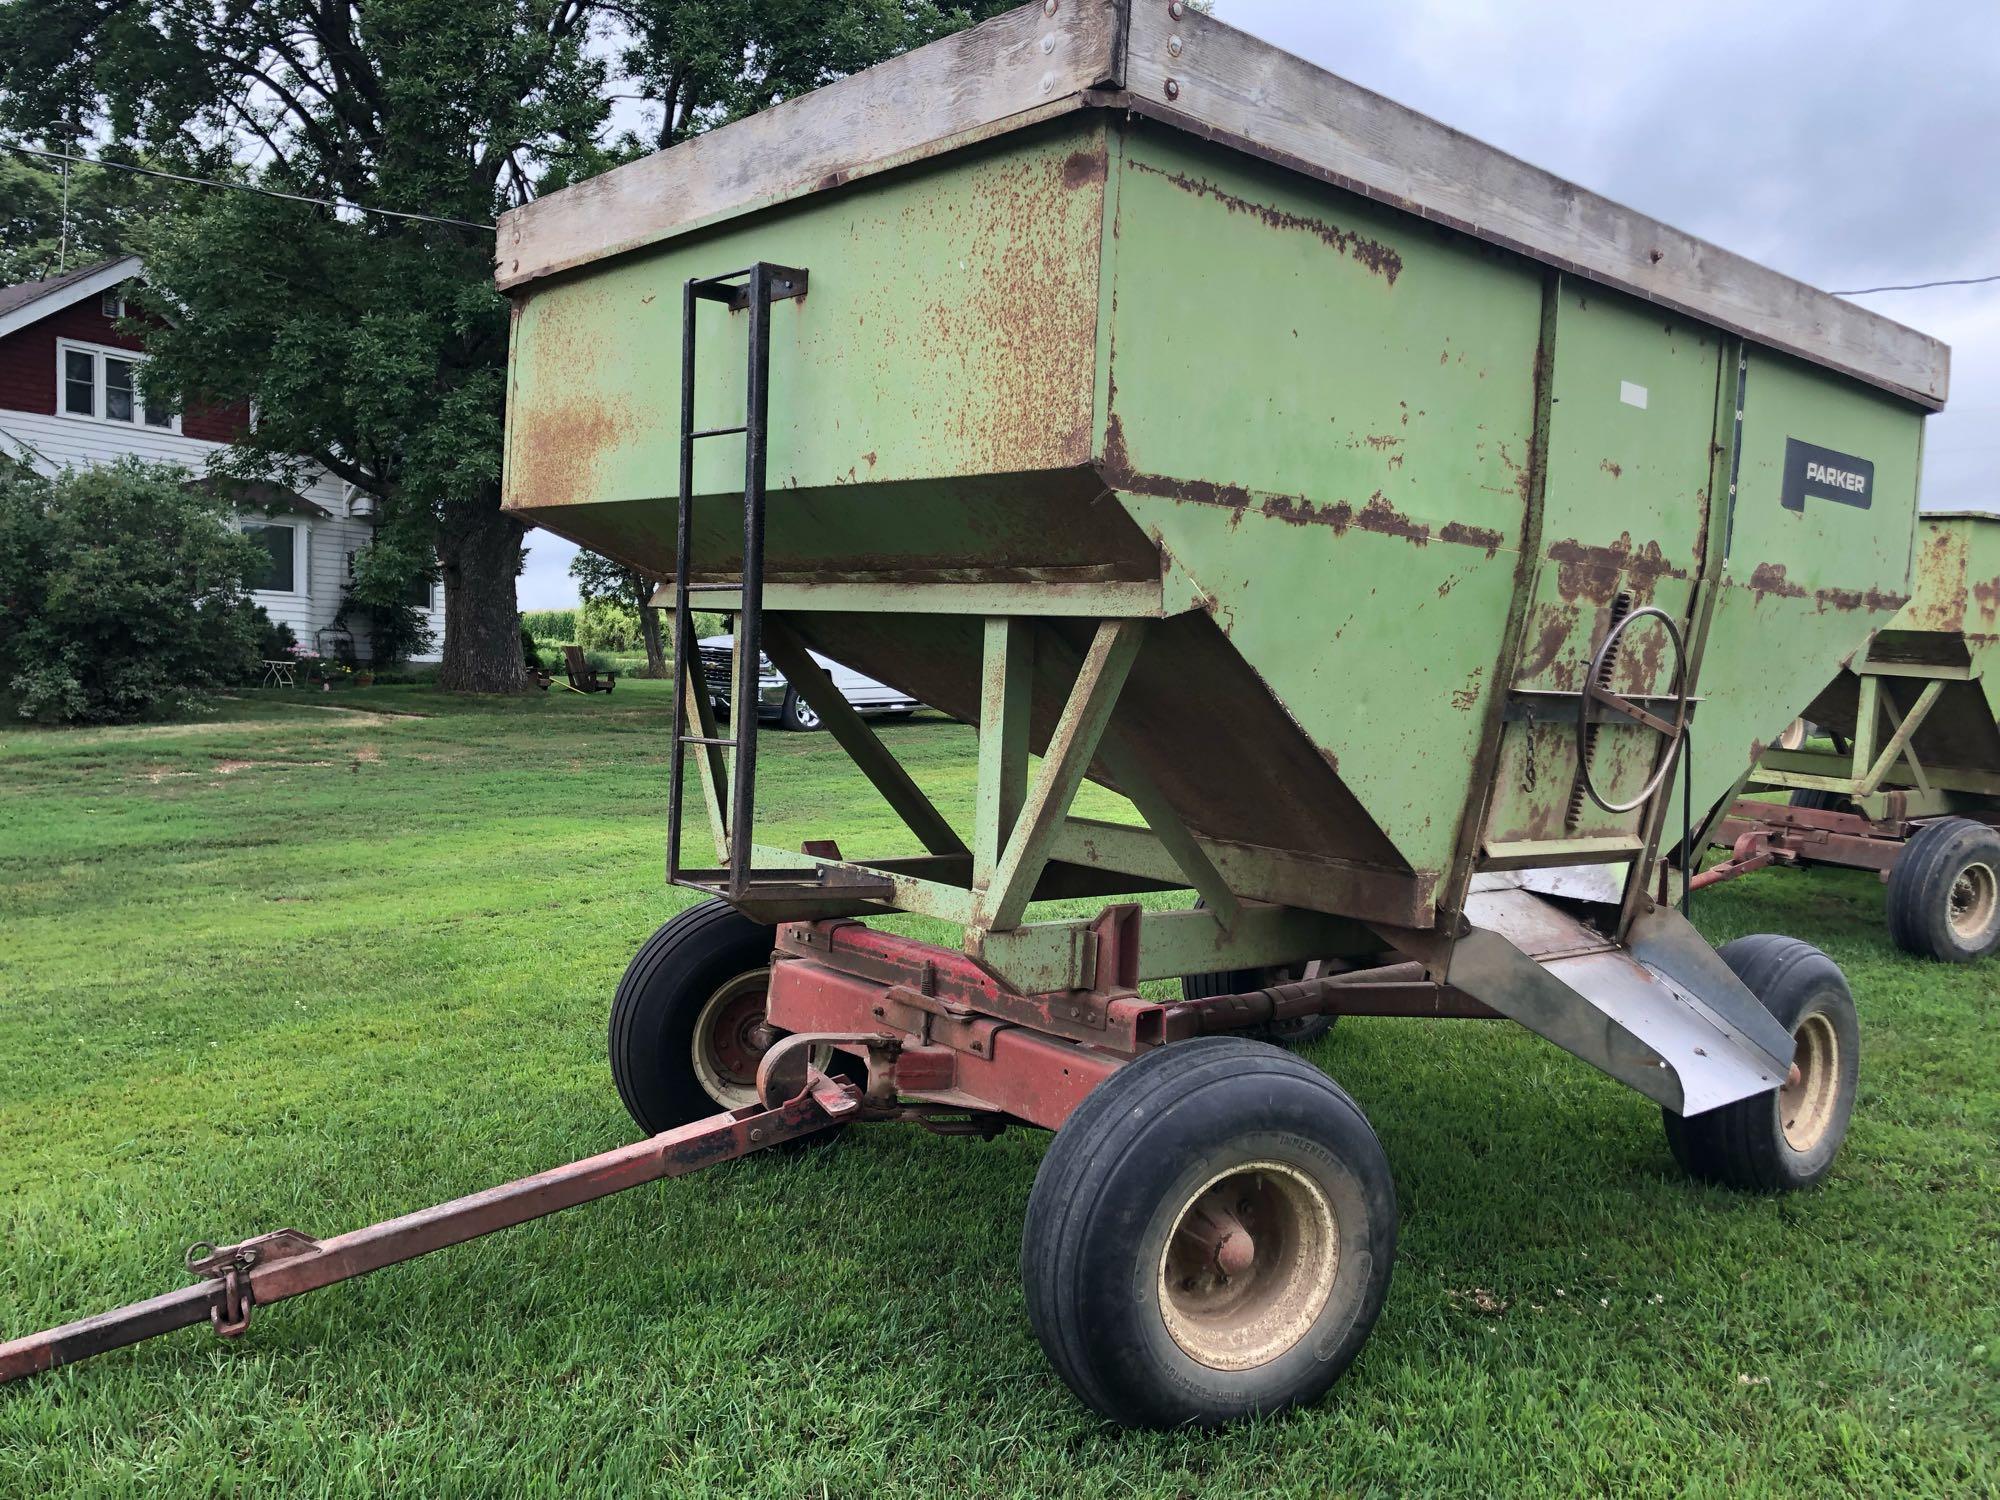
(372, 345)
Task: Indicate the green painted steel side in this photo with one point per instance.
(1956, 590)
(1802, 589)
(1102, 351)
(1323, 410)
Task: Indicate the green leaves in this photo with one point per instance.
(122, 592)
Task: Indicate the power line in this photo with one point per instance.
(1918, 286)
(66, 158)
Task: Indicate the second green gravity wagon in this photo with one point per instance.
(1419, 543)
(1414, 539)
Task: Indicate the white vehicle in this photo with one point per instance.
(779, 700)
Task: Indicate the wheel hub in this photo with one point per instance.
(1249, 1265)
(1810, 1098)
(1975, 902)
(731, 1036)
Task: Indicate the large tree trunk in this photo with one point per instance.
(479, 553)
(649, 629)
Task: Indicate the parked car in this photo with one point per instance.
(779, 700)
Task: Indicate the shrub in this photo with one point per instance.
(122, 593)
(602, 625)
(531, 654)
(275, 639)
(388, 580)
(557, 625)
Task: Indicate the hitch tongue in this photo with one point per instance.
(285, 1263)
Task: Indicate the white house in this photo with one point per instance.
(68, 398)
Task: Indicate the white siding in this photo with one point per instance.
(55, 443)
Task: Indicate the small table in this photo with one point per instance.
(280, 674)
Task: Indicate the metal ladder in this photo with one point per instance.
(754, 289)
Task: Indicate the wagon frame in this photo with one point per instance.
(1041, 553)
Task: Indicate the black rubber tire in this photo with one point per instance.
(665, 986)
(1302, 1032)
(797, 714)
(1743, 1145)
(1924, 888)
(1817, 799)
(1113, 1185)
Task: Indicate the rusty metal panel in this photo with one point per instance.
(950, 330)
(1624, 520)
(1802, 588)
(1324, 410)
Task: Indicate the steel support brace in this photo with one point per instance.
(1006, 679)
(1899, 742)
(1077, 734)
(863, 746)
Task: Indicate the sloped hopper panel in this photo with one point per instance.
(1206, 729)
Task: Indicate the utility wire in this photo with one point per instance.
(66, 158)
(1918, 286)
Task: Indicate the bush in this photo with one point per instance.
(602, 625)
(531, 654)
(275, 639)
(550, 624)
(378, 601)
(122, 593)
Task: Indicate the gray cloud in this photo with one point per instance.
(1846, 144)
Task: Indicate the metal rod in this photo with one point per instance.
(749, 648)
(683, 570)
(286, 1264)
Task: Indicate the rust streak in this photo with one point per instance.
(1472, 536)
(1769, 578)
(1595, 573)
(1372, 254)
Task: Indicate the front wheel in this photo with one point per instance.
(687, 1023)
(1788, 1138)
(1210, 1236)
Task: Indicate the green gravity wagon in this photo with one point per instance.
(1416, 542)
(1910, 787)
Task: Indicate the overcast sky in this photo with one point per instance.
(1849, 145)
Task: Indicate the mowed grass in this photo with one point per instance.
(296, 967)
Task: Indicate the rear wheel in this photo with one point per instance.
(1789, 1137)
(1817, 799)
(687, 1023)
(1210, 1236)
(1300, 1031)
(1944, 892)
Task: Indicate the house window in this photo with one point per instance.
(280, 573)
(112, 305)
(104, 383)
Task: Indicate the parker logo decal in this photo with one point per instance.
(1817, 473)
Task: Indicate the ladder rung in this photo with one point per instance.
(717, 432)
(695, 739)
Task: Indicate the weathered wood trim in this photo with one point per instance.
(1245, 93)
(1009, 72)
(1228, 87)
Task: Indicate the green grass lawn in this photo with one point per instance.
(298, 967)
